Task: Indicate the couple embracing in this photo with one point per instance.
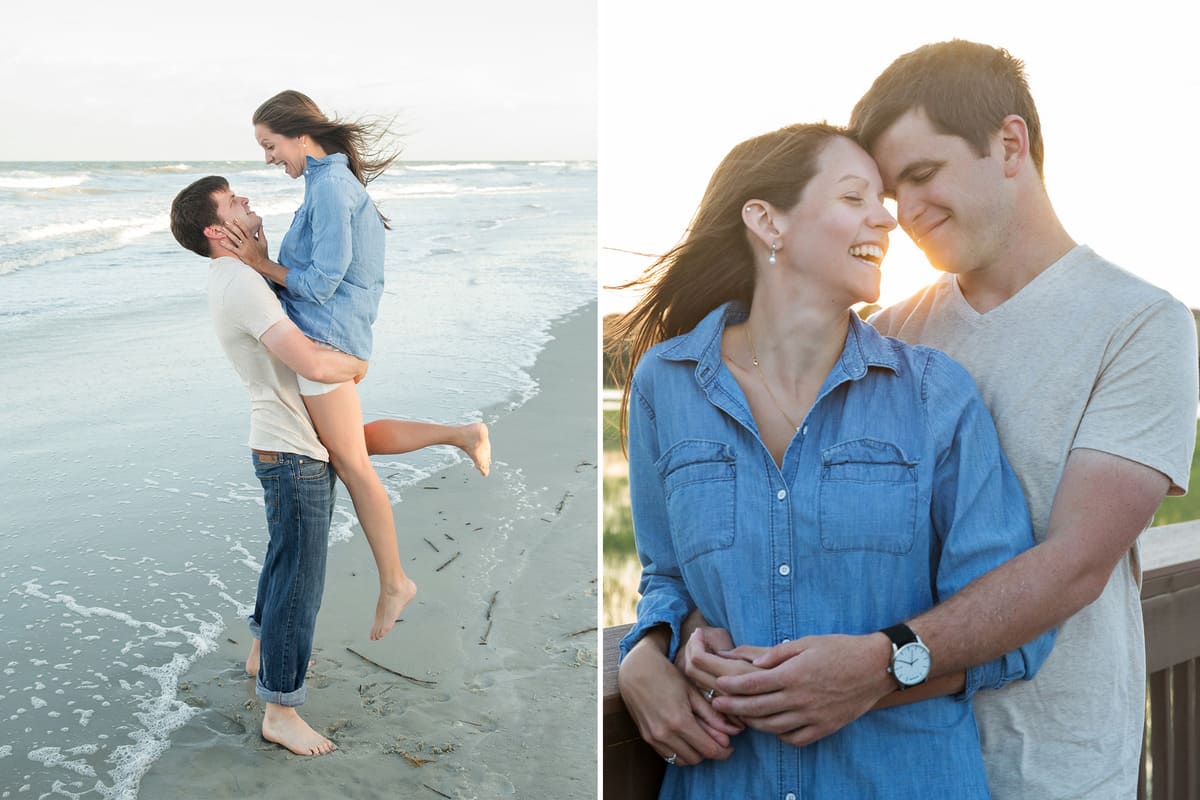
(862, 542)
(298, 332)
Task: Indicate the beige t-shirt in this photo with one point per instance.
(1086, 355)
(243, 308)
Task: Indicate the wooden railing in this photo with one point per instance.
(1171, 610)
(1171, 746)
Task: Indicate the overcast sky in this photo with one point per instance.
(682, 82)
(141, 80)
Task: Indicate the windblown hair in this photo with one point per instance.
(365, 143)
(965, 88)
(193, 210)
(714, 263)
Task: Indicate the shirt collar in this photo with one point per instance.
(320, 163)
(865, 347)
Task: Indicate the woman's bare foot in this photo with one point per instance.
(478, 446)
(391, 603)
(284, 726)
(252, 661)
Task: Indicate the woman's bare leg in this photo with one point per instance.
(392, 436)
(337, 416)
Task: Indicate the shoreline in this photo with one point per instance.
(499, 646)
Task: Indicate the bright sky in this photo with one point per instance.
(682, 82)
(151, 80)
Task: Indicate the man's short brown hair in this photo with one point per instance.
(965, 88)
(193, 210)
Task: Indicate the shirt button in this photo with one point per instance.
(790, 796)
(781, 494)
(785, 570)
(803, 432)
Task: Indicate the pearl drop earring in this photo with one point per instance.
(774, 247)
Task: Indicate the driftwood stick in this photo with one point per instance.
(394, 672)
(435, 791)
(431, 544)
(580, 633)
(443, 566)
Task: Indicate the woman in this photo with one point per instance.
(330, 271)
(794, 473)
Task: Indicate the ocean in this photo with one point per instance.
(132, 527)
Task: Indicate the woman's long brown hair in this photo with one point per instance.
(291, 113)
(714, 263)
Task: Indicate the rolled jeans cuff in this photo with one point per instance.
(255, 628)
(289, 699)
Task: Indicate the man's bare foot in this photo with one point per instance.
(391, 603)
(478, 446)
(252, 661)
(284, 726)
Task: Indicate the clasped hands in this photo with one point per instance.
(800, 690)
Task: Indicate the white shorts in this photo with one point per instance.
(311, 388)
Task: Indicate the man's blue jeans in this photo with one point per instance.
(299, 493)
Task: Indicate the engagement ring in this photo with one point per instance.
(671, 759)
(709, 694)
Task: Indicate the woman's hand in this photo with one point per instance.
(248, 244)
(705, 657)
(672, 715)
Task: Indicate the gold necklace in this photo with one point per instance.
(762, 376)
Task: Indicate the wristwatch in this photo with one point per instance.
(910, 657)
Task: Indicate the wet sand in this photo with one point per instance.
(498, 650)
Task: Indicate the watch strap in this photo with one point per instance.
(900, 634)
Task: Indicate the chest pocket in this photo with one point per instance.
(867, 497)
(699, 483)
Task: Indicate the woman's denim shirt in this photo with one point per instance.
(334, 255)
(894, 494)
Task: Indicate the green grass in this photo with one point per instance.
(621, 566)
(1182, 509)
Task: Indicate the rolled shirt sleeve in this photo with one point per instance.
(980, 516)
(665, 599)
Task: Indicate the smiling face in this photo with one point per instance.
(950, 201)
(231, 206)
(286, 151)
(837, 234)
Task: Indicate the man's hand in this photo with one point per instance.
(671, 714)
(808, 688)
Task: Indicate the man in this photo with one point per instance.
(267, 350)
(1090, 375)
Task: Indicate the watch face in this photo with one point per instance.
(911, 664)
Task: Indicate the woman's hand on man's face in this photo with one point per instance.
(245, 239)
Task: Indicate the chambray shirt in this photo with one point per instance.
(334, 255)
(893, 495)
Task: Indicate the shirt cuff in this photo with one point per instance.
(983, 676)
(643, 627)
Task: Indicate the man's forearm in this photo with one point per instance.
(1002, 610)
(336, 367)
(1102, 503)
